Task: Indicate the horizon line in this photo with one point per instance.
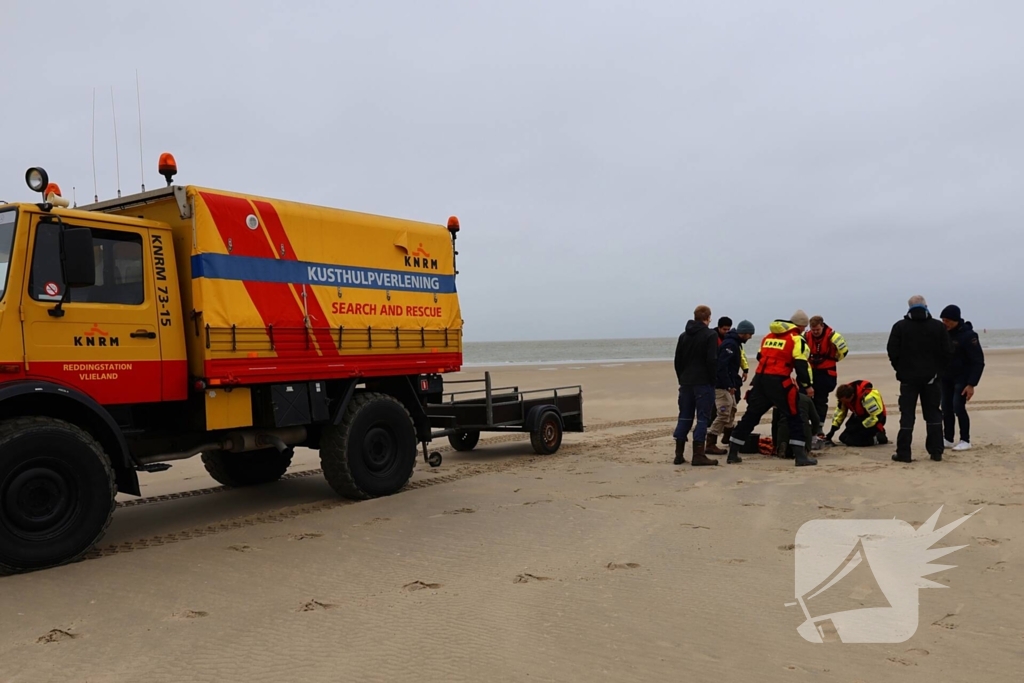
(577, 339)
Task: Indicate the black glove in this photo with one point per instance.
(831, 433)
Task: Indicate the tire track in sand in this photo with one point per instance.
(291, 512)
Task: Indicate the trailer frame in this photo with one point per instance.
(545, 414)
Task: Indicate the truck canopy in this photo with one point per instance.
(275, 290)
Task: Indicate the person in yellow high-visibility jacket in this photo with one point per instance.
(863, 404)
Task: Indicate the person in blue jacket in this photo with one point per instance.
(961, 377)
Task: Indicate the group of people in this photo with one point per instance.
(938, 363)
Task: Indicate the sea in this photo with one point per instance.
(477, 354)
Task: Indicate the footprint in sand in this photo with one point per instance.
(693, 526)
(315, 605)
(374, 521)
(908, 658)
(242, 548)
(989, 542)
(832, 507)
(997, 567)
(536, 502)
(189, 614)
(624, 565)
(527, 578)
(460, 511)
(735, 561)
(304, 536)
(946, 622)
(56, 635)
(420, 585)
(788, 546)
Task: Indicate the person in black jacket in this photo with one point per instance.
(961, 377)
(919, 351)
(728, 382)
(696, 364)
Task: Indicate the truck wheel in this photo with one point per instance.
(248, 469)
(373, 451)
(56, 493)
(464, 441)
(547, 437)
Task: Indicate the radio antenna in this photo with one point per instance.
(142, 159)
(95, 191)
(117, 155)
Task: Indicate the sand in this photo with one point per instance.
(602, 562)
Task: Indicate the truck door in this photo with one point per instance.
(106, 342)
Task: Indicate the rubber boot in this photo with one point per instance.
(802, 460)
(734, 454)
(712, 446)
(699, 459)
(680, 448)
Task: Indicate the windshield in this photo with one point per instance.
(8, 219)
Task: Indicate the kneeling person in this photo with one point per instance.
(863, 403)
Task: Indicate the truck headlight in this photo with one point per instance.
(36, 179)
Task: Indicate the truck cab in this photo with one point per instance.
(119, 340)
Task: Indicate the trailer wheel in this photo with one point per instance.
(373, 451)
(56, 493)
(248, 469)
(547, 436)
(464, 440)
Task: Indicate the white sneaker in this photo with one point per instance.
(962, 446)
(948, 444)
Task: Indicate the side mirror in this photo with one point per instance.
(77, 257)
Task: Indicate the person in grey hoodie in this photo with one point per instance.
(696, 364)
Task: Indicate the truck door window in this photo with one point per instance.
(118, 268)
(8, 219)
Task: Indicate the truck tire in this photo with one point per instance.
(373, 451)
(547, 436)
(56, 493)
(464, 441)
(248, 469)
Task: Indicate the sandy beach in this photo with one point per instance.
(601, 562)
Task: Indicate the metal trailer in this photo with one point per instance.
(543, 413)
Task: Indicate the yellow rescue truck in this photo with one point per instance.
(186, 321)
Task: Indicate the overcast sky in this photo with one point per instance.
(613, 164)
